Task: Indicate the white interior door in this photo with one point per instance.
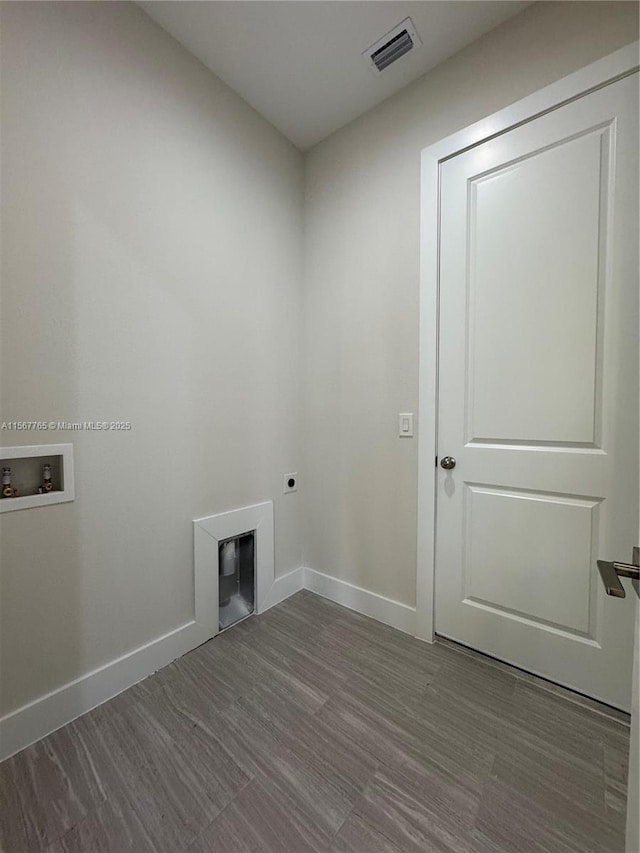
(538, 392)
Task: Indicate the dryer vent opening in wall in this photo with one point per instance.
(236, 578)
(391, 47)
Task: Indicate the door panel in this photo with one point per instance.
(539, 299)
(538, 391)
(547, 582)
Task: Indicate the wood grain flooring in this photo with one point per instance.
(312, 729)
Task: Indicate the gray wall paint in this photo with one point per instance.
(151, 240)
(362, 287)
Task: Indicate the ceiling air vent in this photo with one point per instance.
(391, 47)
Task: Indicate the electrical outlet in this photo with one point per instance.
(290, 483)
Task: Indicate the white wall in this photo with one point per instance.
(361, 283)
(151, 260)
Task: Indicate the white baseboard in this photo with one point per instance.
(283, 587)
(39, 718)
(393, 613)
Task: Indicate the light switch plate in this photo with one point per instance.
(405, 425)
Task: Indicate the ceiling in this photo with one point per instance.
(299, 64)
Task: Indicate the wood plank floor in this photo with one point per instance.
(312, 728)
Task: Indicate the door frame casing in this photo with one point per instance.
(594, 76)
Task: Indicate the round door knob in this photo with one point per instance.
(448, 462)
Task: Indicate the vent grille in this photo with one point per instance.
(396, 47)
(392, 46)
